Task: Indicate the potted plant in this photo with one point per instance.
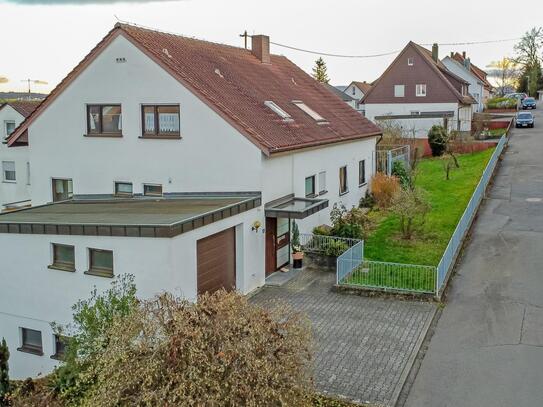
(297, 254)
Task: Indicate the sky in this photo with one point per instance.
(45, 39)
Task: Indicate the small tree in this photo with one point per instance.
(411, 207)
(4, 370)
(438, 138)
(319, 71)
(295, 242)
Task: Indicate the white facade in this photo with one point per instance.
(476, 88)
(19, 189)
(211, 156)
(354, 91)
(419, 126)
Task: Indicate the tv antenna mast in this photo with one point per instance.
(35, 81)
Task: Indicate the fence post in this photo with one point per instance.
(389, 163)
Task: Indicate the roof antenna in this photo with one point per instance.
(245, 36)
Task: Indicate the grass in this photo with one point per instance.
(448, 199)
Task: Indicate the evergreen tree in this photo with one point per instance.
(319, 71)
(4, 370)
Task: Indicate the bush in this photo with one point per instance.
(295, 242)
(335, 248)
(501, 103)
(384, 188)
(400, 172)
(348, 223)
(322, 230)
(411, 207)
(4, 371)
(437, 138)
(368, 201)
(220, 350)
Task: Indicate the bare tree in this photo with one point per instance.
(505, 71)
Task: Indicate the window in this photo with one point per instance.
(123, 188)
(399, 91)
(152, 189)
(322, 182)
(60, 347)
(410, 61)
(62, 189)
(63, 257)
(361, 172)
(104, 120)
(161, 121)
(10, 127)
(278, 111)
(343, 189)
(307, 110)
(100, 263)
(31, 341)
(421, 89)
(310, 187)
(354, 90)
(8, 171)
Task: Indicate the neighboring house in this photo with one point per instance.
(176, 160)
(488, 89)
(357, 90)
(15, 185)
(346, 98)
(476, 85)
(417, 91)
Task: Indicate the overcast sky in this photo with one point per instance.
(44, 39)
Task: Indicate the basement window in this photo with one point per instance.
(31, 341)
(63, 257)
(100, 263)
(278, 111)
(152, 189)
(307, 110)
(123, 188)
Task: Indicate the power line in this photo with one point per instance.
(386, 53)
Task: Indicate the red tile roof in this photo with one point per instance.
(363, 86)
(478, 72)
(234, 83)
(24, 107)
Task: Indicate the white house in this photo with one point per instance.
(417, 91)
(176, 160)
(15, 185)
(476, 86)
(357, 90)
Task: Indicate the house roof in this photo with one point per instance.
(340, 93)
(363, 86)
(234, 83)
(437, 66)
(24, 107)
(478, 72)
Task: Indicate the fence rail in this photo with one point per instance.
(325, 244)
(348, 262)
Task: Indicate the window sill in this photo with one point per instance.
(322, 193)
(104, 135)
(9, 182)
(162, 137)
(343, 193)
(123, 195)
(362, 185)
(32, 351)
(61, 267)
(99, 273)
(311, 196)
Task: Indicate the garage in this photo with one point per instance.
(216, 257)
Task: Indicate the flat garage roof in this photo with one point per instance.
(135, 217)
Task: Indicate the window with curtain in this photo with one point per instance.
(343, 189)
(62, 189)
(161, 120)
(104, 119)
(361, 172)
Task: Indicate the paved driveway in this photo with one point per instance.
(365, 346)
(487, 350)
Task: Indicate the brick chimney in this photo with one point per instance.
(435, 52)
(260, 47)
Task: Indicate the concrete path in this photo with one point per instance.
(487, 350)
(364, 346)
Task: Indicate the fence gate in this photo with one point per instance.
(386, 157)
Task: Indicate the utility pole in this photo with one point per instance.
(36, 81)
(245, 36)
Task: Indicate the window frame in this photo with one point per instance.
(153, 185)
(156, 134)
(53, 188)
(4, 179)
(99, 271)
(362, 173)
(122, 194)
(322, 190)
(398, 86)
(420, 86)
(6, 122)
(35, 350)
(61, 265)
(314, 185)
(56, 340)
(346, 190)
(410, 61)
(101, 133)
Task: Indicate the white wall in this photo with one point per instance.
(211, 156)
(18, 190)
(475, 87)
(358, 94)
(32, 296)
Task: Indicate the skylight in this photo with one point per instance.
(307, 110)
(278, 111)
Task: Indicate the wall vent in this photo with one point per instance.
(120, 60)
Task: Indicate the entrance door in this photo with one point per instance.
(277, 243)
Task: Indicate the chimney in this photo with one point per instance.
(464, 54)
(260, 47)
(452, 54)
(467, 63)
(435, 52)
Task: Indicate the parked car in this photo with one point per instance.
(517, 95)
(528, 103)
(524, 119)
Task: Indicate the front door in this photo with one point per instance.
(277, 244)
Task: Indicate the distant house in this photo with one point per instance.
(417, 91)
(346, 98)
(357, 90)
(14, 188)
(477, 87)
(488, 89)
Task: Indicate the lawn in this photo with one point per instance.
(448, 199)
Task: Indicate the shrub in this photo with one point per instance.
(220, 350)
(384, 187)
(368, 201)
(437, 138)
(4, 371)
(400, 172)
(411, 207)
(322, 230)
(501, 103)
(348, 223)
(335, 248)
(295, 242)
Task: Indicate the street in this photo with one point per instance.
(487, 349)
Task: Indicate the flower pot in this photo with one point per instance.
(297, 259)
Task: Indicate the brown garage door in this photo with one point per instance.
(216, 257)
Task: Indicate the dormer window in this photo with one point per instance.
(307, 110)
(278, 111)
